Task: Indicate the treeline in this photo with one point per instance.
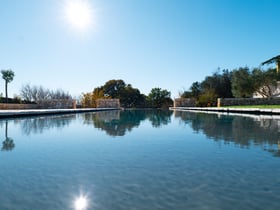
(39, 93)
(129, 96)
(237, 83)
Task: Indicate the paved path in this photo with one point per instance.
(34, 112)
(231, 110)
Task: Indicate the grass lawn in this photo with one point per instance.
(256, 106)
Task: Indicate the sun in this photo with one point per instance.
(79, 14)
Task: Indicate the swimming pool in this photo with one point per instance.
(140, 159)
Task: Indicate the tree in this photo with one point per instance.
(87, 100)
(195, 89)
(220, 83)
(39, 93)
(224, 87)
(160, 98)
(264, 82)
(113, 88)
(207, 98)
(242, 84)
(8, 76)
(129, 97)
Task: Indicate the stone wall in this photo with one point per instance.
(108, 103)
(248, 101)
(184, 102)
(57, 104)
(18, 106)
(48, 104)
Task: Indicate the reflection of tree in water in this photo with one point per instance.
(117, 123)
(263, 132)
(39, 124)
(8, 143)
(159, 117)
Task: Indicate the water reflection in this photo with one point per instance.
(81, 203)
(117, 123)
(8, 144)
(114, 123)
(264, 131)
(41, 124)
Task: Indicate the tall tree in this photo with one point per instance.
(195, 89)
(242, 84)
(220, 83)
(8, 76)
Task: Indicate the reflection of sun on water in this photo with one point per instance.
(81, 203)
(78, 13)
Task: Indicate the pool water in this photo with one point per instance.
(140, 159)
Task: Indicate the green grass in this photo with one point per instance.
(256, 106)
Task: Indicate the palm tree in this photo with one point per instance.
(8, 144)
(8, 76)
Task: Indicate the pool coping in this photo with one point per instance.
(258, 111)
(36, 112)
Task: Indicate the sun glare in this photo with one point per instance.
(78, 13)
(81, 203)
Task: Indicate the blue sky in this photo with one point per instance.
(148, 43)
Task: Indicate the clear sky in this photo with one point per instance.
(148, 43)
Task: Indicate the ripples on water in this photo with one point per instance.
(140, 160)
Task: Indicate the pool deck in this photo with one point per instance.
(260, 111)
(36, 112)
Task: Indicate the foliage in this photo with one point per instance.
(264, 81)
(113, 88)
(159, 98)
(8, 76)
(212, 87)
(39, 93)
(242, 83)
(195, 89)
(207, 98)
(245, 82)
(219, 84)
(129, 97)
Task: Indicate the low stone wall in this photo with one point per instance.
(48, 104)
(184, 102)
(57, 104)
(18, 106)
(247, 101)
(108, 103)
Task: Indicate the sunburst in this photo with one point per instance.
(79, 14)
